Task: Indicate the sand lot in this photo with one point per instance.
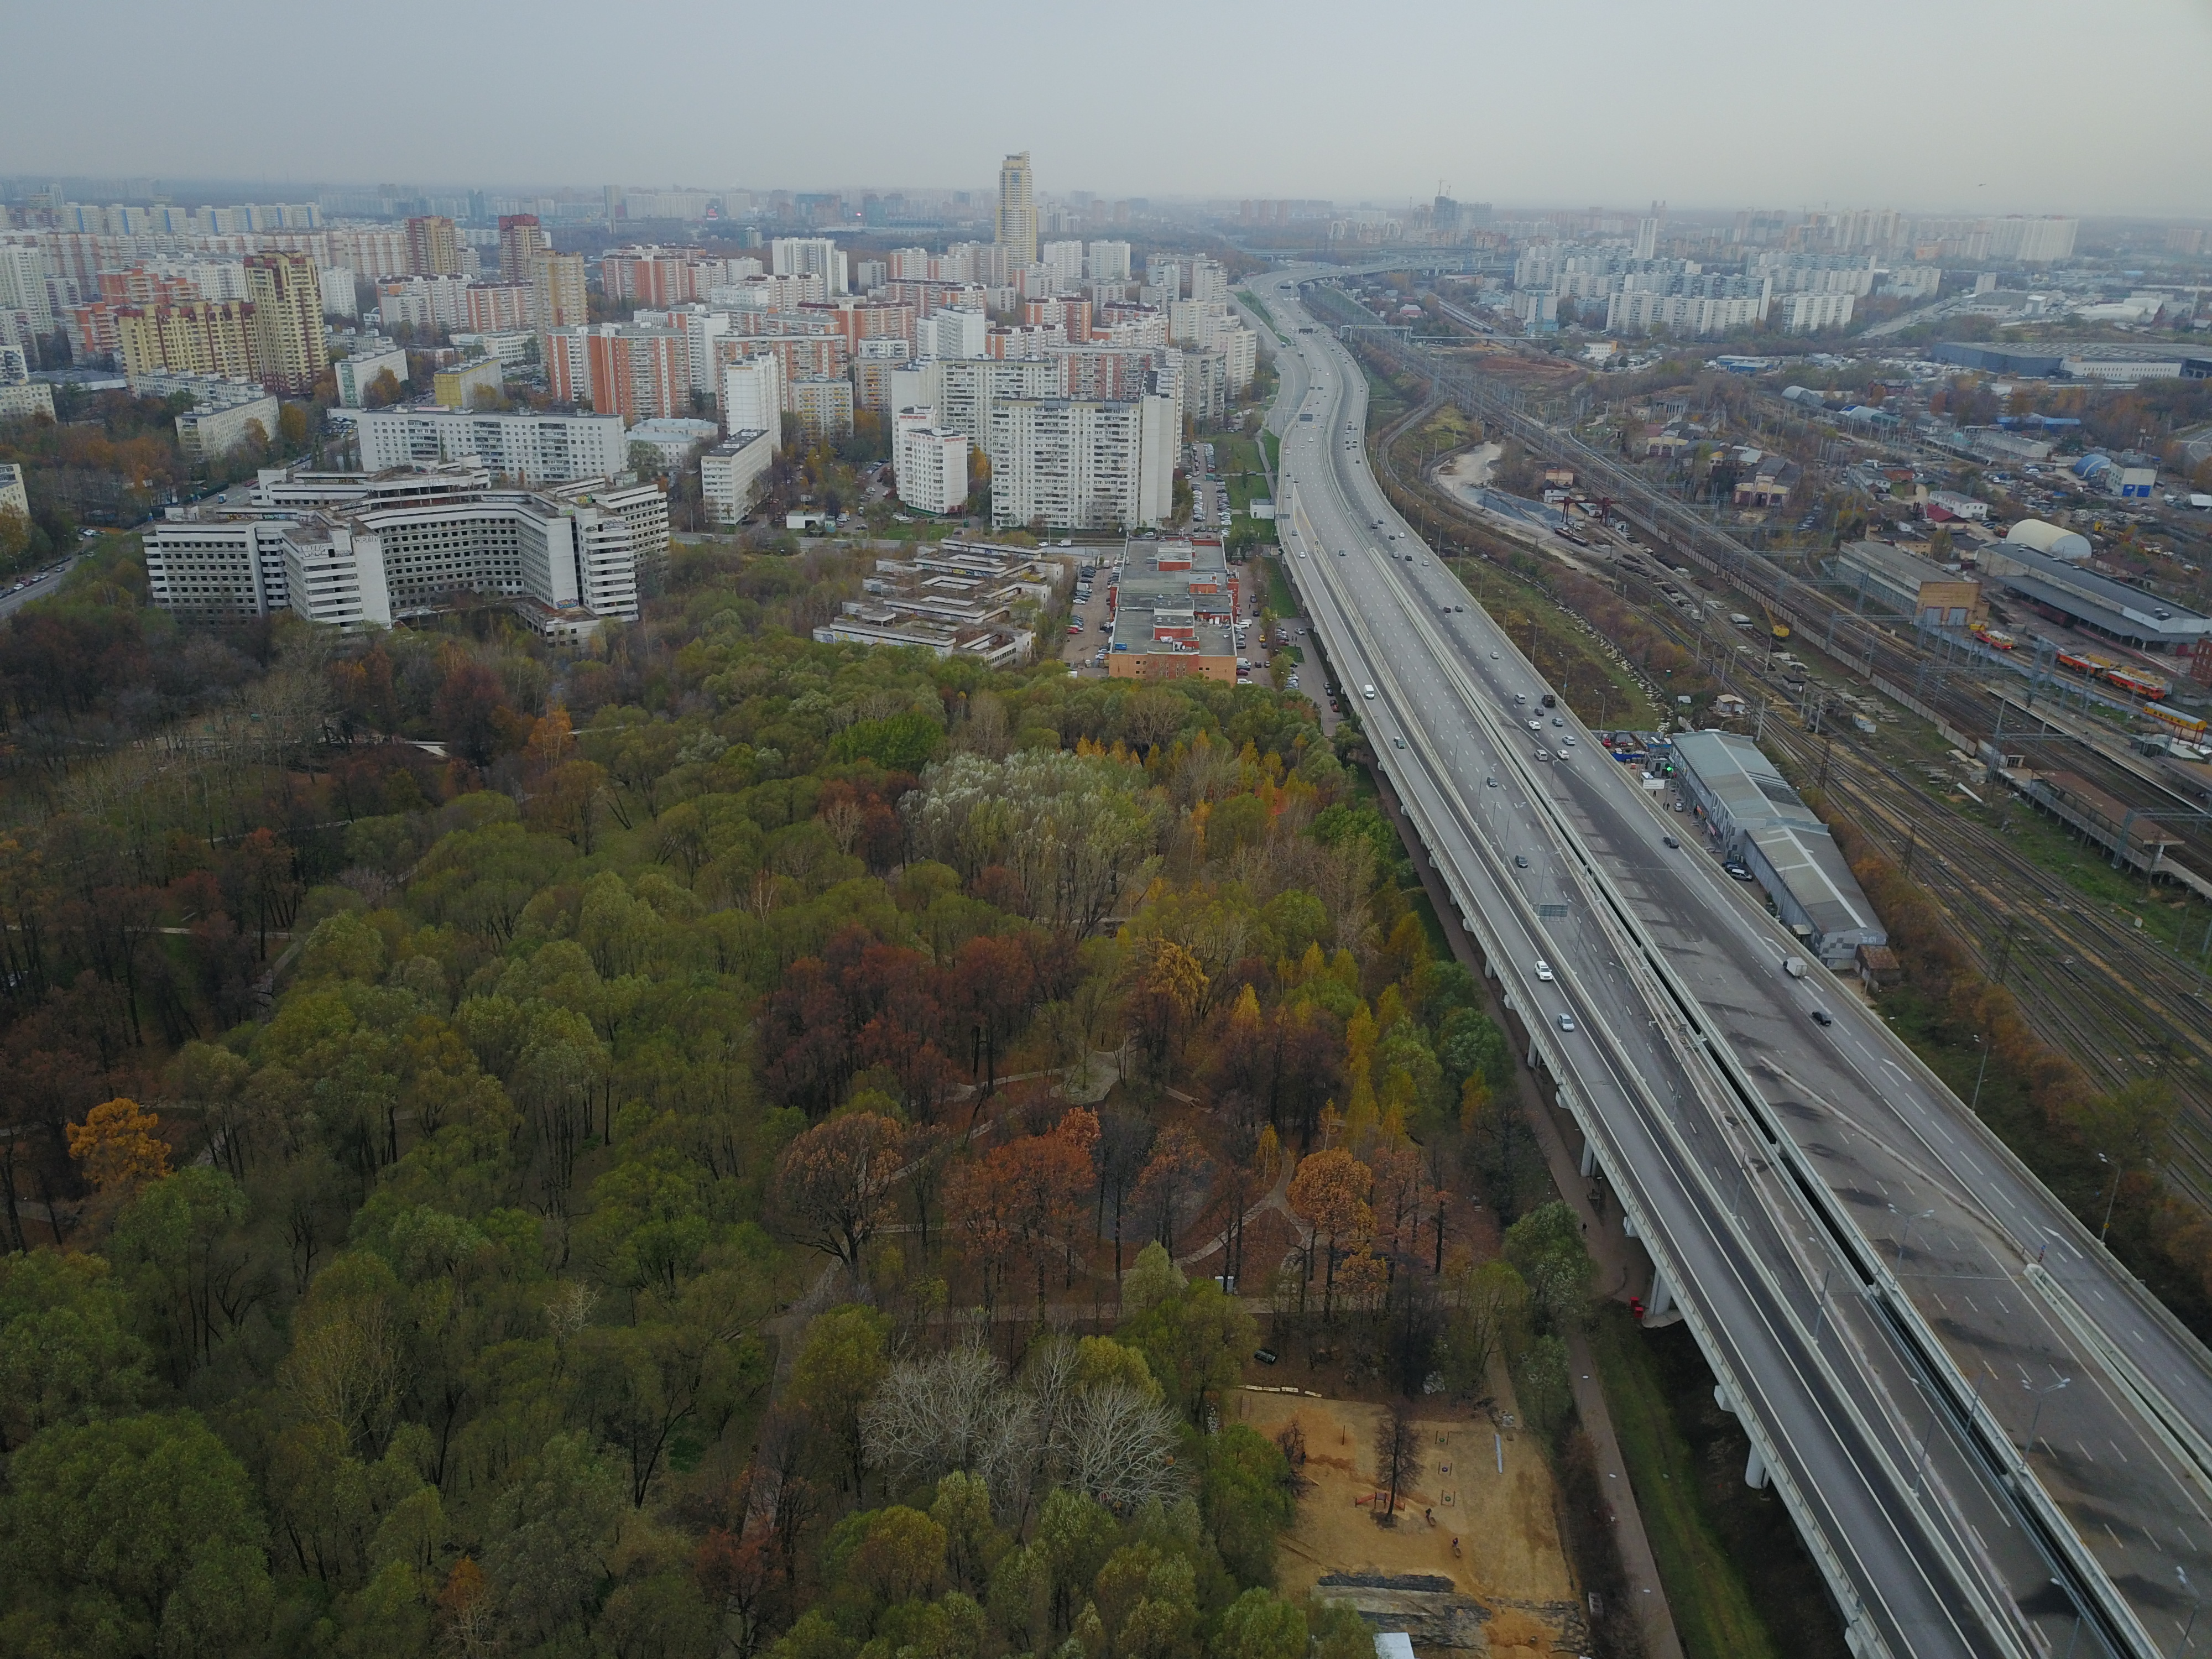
(1511, 1557)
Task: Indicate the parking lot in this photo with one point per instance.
(1083, 647)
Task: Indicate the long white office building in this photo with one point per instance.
(530, 448)
(354, 551)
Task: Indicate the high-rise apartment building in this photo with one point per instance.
(1082, 464)
(822, 405)
(562, 300)
(433, 246)
(1065, 261)
(534, 446)
(809, 256)
(202, 336)
(521, 240)
(1107, 262)
(287, 319)
(23, 286)
(752, 397)
(1017, 219)
(930, 464)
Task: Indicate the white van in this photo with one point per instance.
(1368, 692)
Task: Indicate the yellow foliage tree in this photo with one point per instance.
(119, 1144)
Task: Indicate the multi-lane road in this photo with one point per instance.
(1894, 1305)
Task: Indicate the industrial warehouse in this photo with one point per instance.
(1757, 822)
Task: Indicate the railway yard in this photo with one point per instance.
(1897, 729)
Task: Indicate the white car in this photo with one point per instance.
(1368, 692)
(1544, 970)
(1566, 1021)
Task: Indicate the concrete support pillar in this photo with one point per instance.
(1662, 1295)
(1589, 1160)
(1755, 1471)
(1720, 1399)
(1627, 1224)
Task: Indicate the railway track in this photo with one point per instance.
(2120, 1006)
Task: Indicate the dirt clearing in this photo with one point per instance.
(1504, 1521)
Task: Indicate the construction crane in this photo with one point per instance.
(1778, 626)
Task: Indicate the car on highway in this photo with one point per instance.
(1822, 1016)
(1544, 970)
(1397, 742)
(1536, 725)
(1671, 841)
(1368, 692)
(1493, 656)
(1566, 1021)
(1490, 783)
(1543, 754)
(1520, 861)
(1556, 720)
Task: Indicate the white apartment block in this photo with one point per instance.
(952, 334)
(729, 472)
(225, 415)
(963, 389)
(531, 447)
(1802, 314)
(13, 492)
(23, 286)
(576, 551)
(930, 464)
(809, 256)
(1209, 282)
(1682, 314)
(1065, 261)
(1107, 262)
(1080, 465)
(752, 397)
(423, 302)
(354, 372)
(2032, 241)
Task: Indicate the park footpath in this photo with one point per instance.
(1621, 1270)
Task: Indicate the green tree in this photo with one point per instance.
(1259, 1624)
(1247, 1499)
(839, 1365)
(1194, 1343)
(135, 1536)
(1546, 1245)
(67, 1352)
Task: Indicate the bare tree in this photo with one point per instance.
(1397, 1453)
(934, 1415)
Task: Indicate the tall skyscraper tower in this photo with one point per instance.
(1018, 220)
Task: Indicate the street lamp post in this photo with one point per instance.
(1980, 1072)
(2035, 1416)
(2112, 1199)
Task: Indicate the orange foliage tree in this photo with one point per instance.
(119, 1144)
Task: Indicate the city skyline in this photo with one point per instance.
(1944, 111)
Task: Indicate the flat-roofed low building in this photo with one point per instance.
(1752, 815)
(1933, 595)
(953, 597)
(1175, 610)
(2067, 592)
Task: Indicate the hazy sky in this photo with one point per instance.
(1983, 105)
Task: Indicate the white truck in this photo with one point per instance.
(1794, 966)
